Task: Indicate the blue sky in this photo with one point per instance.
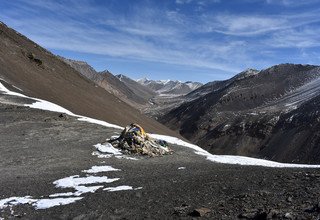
(202, 40)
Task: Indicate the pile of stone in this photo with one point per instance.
(134, 140)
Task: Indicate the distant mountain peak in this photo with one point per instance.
(246, 73)
(105, 71)
(173, 87)
(143, 80)
(121, 77)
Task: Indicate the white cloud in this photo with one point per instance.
(296, 38)
(198, 2)
(253, 25)
(291, 3)
(183, 1)
(247, 25)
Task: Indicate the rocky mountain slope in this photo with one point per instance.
(137, 88)
(271, 114)
(169, 87)
(51, 170)
(111, 83)
(216, 85)
(39, 73)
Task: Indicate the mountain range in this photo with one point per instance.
(169, 87)
(269, 114)
(151, 97)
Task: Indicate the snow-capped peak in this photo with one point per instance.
(143, 80)
(168, 86)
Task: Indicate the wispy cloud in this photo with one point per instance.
(296, 38)
(252, 25)
(199, 2)
(222, 41)
(291, 3)
(183, 1)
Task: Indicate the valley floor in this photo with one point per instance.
(39, 147)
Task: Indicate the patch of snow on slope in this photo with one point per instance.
(106, 155)
(98, 169)
(16, 200)
(8, 92)
(75, 181)
(49, 106)
(228, 159)
(62, 194)
(107, 148)
(99, 122)
(37, 203)
(118, 188)
(49, 203)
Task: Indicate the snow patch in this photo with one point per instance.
(16, 201)
(126, 157)
(98, 169)
(49, 106)
(181, 168)
(8, 92)
(37, 203)
(228, 159)
(118, 188)
(101, 155)
(99, 122)
(48, 203)
(67, 194)
(241, 160)
(107, 148)
(75, 181)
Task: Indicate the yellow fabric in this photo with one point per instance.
(143, 133)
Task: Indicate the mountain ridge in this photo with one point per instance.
(170, 87)
(240, 117)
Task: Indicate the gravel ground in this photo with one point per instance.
(38, 147)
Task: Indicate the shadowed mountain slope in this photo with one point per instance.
(137, 88)
(248, 116)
